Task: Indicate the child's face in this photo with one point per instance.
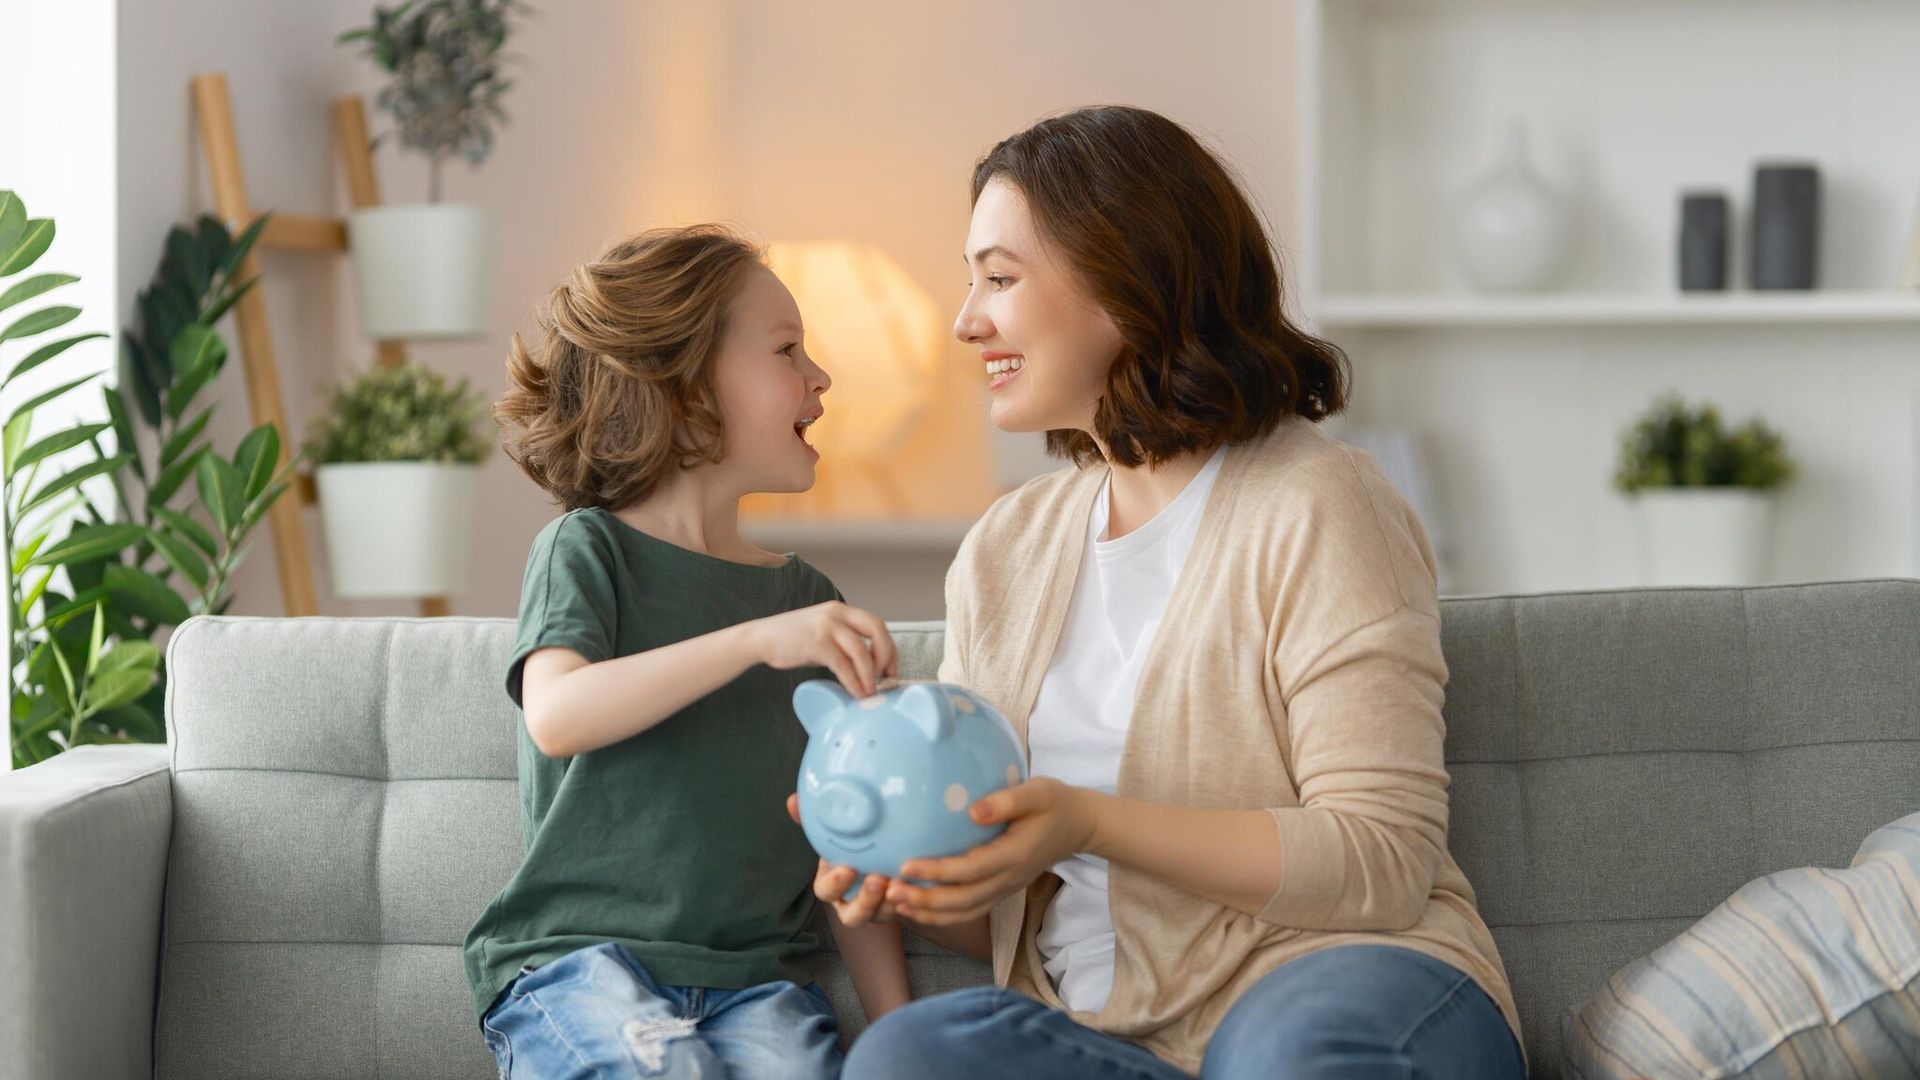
(768, 386)
(1027, 305)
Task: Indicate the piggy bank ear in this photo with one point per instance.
(926, 707)
(817, 700)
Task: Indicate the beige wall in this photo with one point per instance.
(798, 120)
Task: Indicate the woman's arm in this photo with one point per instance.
(1360, 851)
(1231, 857)
(876, 963)
(573, 706)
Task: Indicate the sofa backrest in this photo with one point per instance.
(345, 801)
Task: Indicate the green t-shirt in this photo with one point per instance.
(674, 843)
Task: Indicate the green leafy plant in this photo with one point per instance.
(1675, 445)
(85, 667)
(446, 63)
(168, 358)
(70, 684)
(403, 413)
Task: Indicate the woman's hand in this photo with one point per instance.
(851, 643)
(831, 882)
(1047, 821)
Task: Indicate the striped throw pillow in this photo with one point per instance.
(1803, 973)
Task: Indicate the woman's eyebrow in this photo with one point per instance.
(992, 249)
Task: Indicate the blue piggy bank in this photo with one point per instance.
(890, 777)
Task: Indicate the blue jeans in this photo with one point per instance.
(597, 1013)
(1354, 1012)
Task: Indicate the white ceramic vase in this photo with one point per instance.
(1705, 536)
(1512, 230)
(424, 271)
(397, 529)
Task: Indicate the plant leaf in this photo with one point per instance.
(180, 555)
(116, 688)
(37, 401)
(256, 459)
(219, 486)
(34, 286)
(185, 253)
(130, 656)
(195, 347)
(242, 244)
(39, 322)
(13, 220)
(74, 478)
(32, 244)
(140, 593)
(173, 476)
(90, 542)
(45, 353)
(190, 529)
(123, 430)
(183, 437)
(52, 444)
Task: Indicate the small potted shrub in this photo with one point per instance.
(1704, 495)
(426, 270)
(396, 460)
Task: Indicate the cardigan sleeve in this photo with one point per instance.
(1362, 681)
(1365, 739)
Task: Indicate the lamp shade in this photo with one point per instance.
(875, 330)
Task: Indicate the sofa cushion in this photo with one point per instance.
(1806, 972)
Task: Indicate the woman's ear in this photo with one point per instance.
(816, 701)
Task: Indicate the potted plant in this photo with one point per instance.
(396, 459)
(1704, 495)
(426, 270)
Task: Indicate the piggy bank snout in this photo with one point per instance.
(848, 807)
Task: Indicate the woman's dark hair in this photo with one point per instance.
(1168, 245)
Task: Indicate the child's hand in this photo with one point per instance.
(831, 882)
(851, 643)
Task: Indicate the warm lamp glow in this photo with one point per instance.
(877, 333)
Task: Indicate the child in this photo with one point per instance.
(657, 924)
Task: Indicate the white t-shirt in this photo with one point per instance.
(1080, 718)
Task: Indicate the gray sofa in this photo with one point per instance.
(282, 891)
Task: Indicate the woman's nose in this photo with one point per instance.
(971, 325)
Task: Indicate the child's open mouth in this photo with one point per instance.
(800, 431)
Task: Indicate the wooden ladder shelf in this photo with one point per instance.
(213, 111)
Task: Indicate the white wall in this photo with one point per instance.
(57, 153)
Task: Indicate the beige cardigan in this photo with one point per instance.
(1297, 669)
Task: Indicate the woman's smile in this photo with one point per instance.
(1001, 368)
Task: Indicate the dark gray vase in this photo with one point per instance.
(1703, 242)
(1786, 226)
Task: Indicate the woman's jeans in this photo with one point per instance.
(1351, 1011)
(597, 1013)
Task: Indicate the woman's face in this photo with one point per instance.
(768, 388)
(1045, 345)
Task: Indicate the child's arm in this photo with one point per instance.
(877, 963)
(573, 706)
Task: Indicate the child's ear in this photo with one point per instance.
(817, 699)
(926, 706)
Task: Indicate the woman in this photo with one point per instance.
(1218, 633)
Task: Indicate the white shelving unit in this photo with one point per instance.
(1519, 400)
(1359, 311)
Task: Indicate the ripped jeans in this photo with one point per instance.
(597, 1013)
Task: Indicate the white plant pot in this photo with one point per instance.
(1705, 536)
(424, 271)
(397, 528)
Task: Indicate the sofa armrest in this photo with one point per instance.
(83, 857)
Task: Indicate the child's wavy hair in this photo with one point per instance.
(619, 393)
